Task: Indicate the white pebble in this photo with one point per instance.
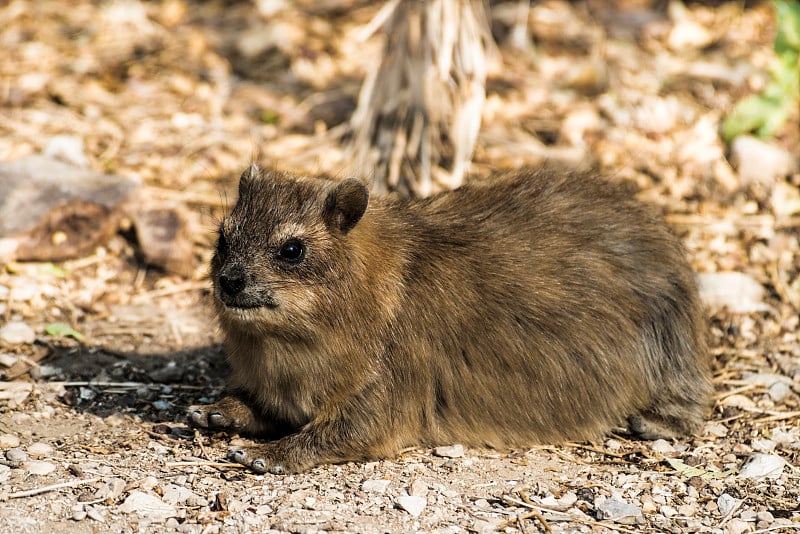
(375, 486)
(16, 456)
(8, 441)
(662, 446)
(763, 466)
(727, 504)
(40, 449)
(450, 451)
(8, 360)
(38, 467)
(412, 504)
(147, 505)
(17, 333)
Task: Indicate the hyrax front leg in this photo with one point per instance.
(353, 431)
(230, 413)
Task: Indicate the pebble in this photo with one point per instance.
(375, 486)
(16, 456)
(667, 511)
(662, 446)
(95, 513)
(763, 466)
(148, 506)
(760, 162)
(38, 467)
(687, 510)
(450, 451)
(620, 512)
(68, 149)
(412, 504)
(779, 391)
(8, 441)
(5, 473)
(738, 292)
(418, 488)
(727, 504)
(17, 333)
(79, 515)
(40, 449)
(110, 490)
(8, 360)
(765, 516)
(737, 526)
(762, 445)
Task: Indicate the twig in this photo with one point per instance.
(52, 487)
(208, 464)
(126, 385)
(199, 440)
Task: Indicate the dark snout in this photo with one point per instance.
(237, 289)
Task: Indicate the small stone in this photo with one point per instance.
(716, 429)
(8, 441)
(375, 486)
(68, 149)
(738, 401)
(264, 509)
(17, 333)
(737, 526)
(16, 456)
(451, 451)
(765, 516)
(412, 504)
(727, 504)
(418, 488)
(763, 466)
(148, 506)
(38, 467)
(40, 449)
(8, 360)
(79, 515)
(662, 446)
(619, 512)
(688, 35)
(110, 490)
(171, 523)
(779, 391)
(165, 239)
(95, 513)
(760, 162)
(5, 473)
(667, 511)
(762, 445)
(687, 510)
(175, 494)
(738, 292)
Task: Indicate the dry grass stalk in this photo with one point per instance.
(419, 110)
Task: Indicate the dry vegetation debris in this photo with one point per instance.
(182, 94)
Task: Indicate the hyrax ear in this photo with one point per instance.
(247, 178)
(345, 205)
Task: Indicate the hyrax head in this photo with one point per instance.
(282, 246)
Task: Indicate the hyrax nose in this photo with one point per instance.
(231, 280)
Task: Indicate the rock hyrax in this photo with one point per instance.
(527, 308)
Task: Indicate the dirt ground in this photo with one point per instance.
(184, 94)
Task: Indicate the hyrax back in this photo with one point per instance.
(529, 308)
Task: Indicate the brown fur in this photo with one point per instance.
(530, 308)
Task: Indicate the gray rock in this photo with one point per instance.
(16, 456)
(727, 504)
(17, 333)
(662, 446)
(737, 526)
(412, 504)
(68, 211)
(450, 451)
(174, 494)
(760, 162)
(148, 506)
(738, 292)
(779, 391)
(620, 512)
(8, 360)
(165, 239)
(110, 490)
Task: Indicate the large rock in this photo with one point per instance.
(52, 211)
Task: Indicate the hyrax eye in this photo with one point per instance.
(292, 251)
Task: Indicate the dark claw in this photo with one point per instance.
(259, 466)
(216, 419)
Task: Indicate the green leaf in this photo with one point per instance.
(750, 114)
(689, 471)
(62, 330)
(787, 38)
(55, 270)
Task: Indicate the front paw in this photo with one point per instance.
(264, 460)
(209, 417)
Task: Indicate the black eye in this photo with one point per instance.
(292, 251)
